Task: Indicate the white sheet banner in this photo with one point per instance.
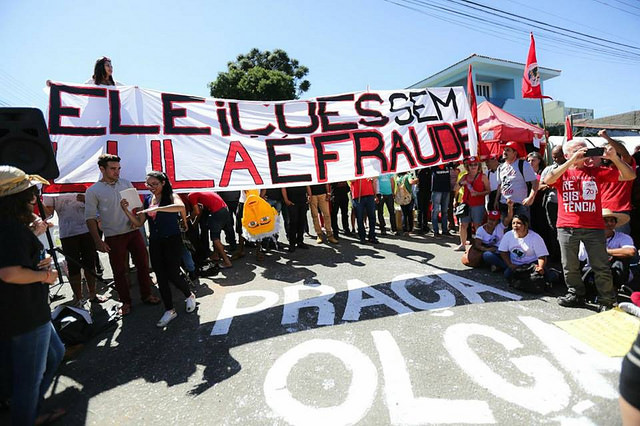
(220, 144)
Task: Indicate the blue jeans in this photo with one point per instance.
(35, 357)
(440, 204)
(187, 260)
(366, 204)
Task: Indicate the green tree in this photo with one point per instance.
(261, 76)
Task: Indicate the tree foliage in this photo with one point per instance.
(261, 76)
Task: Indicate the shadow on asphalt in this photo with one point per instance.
(172, 355)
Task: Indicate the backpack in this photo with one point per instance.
(402, 196)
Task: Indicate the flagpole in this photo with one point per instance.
(547, 148)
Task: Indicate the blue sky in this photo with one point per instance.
(347, 45)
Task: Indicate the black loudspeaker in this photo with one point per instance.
(25, 142)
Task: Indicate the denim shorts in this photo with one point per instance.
(476, 215)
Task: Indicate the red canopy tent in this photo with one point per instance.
(497, 127)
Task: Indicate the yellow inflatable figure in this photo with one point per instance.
(259, 219)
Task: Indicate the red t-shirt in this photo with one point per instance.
(210, 200)
(362, 188)
(478, 185)
(579, 198)
(616, 196)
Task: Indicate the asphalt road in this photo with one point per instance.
(396, 333)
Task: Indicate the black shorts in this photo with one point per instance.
(81, 249)
(217, 222)
(630, 375)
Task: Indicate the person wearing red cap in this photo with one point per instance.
(580, 219)
(515, 176)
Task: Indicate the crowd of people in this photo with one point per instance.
(511, 213)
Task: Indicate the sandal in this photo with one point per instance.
(223, 266)
(151, 300)
(124, 309)
(50, 417)
(98, 299)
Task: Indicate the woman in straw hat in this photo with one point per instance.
(27, 336)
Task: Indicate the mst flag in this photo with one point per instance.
(531, 78)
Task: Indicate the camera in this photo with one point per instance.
(594, 152)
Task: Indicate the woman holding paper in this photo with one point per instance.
(165, 241)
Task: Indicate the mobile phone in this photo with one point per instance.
(594, 152)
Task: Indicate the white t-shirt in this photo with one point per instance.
(617, 240)
(70, 214)
(513, 185)
(492, 239)
(523, 251)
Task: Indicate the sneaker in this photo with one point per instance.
(461, 247)
(630, 308)
(571, 300)
(190, 303)
(303, 246)
(332, 240)
(319, 240)
(167, 317)
(374, 240)
(606, 307)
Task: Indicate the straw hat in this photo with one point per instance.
(621, 218)
(13, 180)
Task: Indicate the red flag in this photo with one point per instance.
(568, 131)
(483, 150)
(531, 78)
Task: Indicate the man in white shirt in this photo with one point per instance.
(514, 175)
(620, 249)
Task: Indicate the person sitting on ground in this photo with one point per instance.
(77, 244)
(620, 249)
(521, 247)
(165, 241)
(489, 236)
(218, 218)
(475, 185)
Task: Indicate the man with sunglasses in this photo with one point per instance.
(517, 182)
(102, 200)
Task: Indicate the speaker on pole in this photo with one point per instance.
(25, 142)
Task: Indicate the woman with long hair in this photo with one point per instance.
(519, 248)
(475, 186)
(29, 345)
(162, 210)
(103, 73)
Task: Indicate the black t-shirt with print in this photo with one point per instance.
(23, 307)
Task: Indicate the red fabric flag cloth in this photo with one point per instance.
(483, 150)
(568, 131)
(531, 78)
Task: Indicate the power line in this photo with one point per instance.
(614, 7)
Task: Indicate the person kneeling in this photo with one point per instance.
(520, 248)
(487, 239)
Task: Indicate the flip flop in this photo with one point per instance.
(225, 266)
(50, 417)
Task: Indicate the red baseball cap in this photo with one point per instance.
(493, 215)
(512, 144)
(472, 160)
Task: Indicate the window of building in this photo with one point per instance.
(483, 89)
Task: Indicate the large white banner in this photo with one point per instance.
(221, 144)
